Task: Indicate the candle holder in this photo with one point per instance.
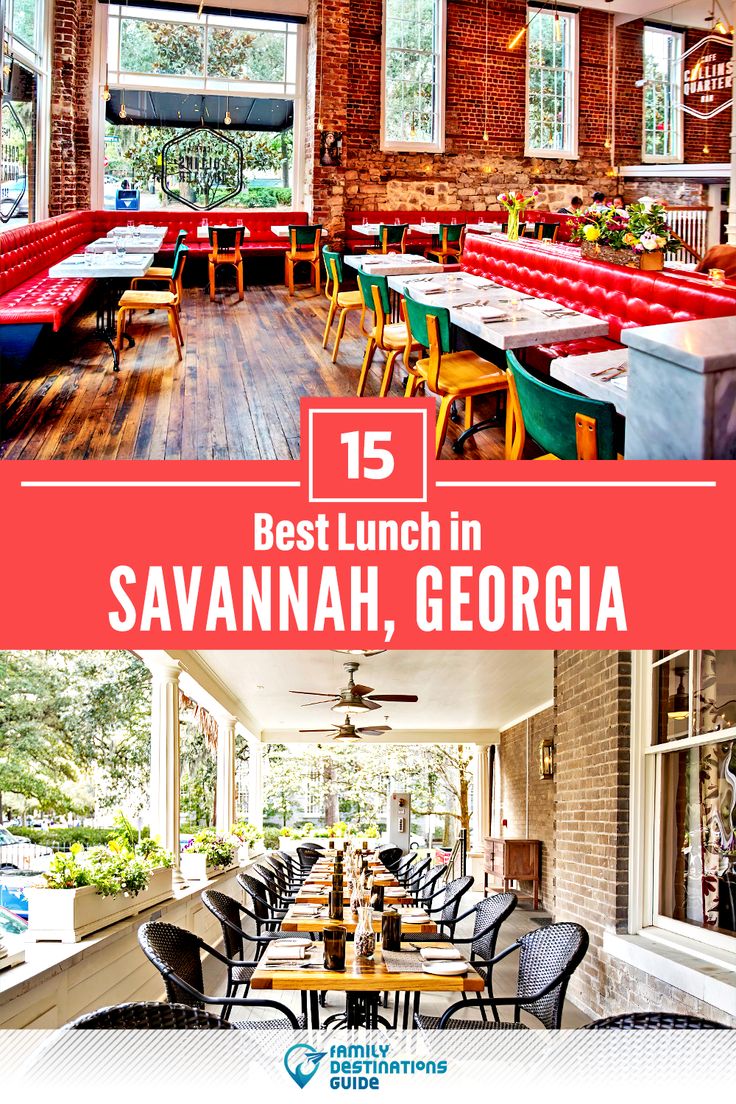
(331, 845)
(336, 904)
(391, 930)
(717, 275)
(338, 883)
(377, 898)
(335, 938)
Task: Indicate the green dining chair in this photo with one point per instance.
(390, 237)
(564, 425)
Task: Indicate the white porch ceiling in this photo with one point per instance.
(462, 694)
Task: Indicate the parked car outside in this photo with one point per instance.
(18, 853)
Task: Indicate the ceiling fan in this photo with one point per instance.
(348, 731)
(354, 698)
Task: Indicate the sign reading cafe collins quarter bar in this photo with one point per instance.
(707, 77)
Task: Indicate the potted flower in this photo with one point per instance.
(82, 892)
(205, 855)
(636, 236)
(246, 837)
(289, 838)
(515, 203)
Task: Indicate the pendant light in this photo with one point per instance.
(106, 89)
(678, 708)
(485, 87)
(318, 44)
(122, 113)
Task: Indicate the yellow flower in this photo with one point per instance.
(592, 233)
(630, 239)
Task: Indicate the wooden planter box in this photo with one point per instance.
(647, 262)
(68, 915)
(194, 867)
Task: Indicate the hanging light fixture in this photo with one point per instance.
(485, 84)
(228, 117)
(514, 42)
(106, 89)
(546, 758)
(122, 113)
(678, 708)
(558, 26)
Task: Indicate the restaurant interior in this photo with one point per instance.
(524, 210)
(588, 882)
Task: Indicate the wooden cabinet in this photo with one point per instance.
(509, 860)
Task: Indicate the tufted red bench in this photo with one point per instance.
(624, 297)
(30, 299)
(417, 243)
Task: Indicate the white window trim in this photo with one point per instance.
(679, 156)
(39, 62)
(572, 153)
(418, 147)
(699, 962)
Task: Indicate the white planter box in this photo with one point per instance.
(286, 843)
(194, 867)
(243, 854)
(68, 915)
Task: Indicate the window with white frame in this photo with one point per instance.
(25, 113)
(552, 81)
(690, 792)
(413, 86)
(662, 137)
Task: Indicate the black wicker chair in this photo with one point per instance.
(648, 1021)
(548, 957)
(415, 876)
(308, 857)
(292, 873)
(424, 891)
(402, 869)
(390, 857)
(267, 919)
(147, 1016)
(450, 897)
(177, 955)
(279, 898)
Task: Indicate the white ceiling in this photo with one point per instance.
(460, 692)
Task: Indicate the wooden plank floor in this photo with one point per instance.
(235, 395)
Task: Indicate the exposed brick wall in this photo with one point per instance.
(71, 99)
(533, 798)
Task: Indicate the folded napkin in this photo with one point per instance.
(485, 313)
(435, 290)
(440, 954)
(304, 910)
(477, 281)
(415, 916)
(274, 953)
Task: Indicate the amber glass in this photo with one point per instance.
(335, 938)
(391, 930)
(336, 904)
(338, 883)
(331, 845)
(377, 898)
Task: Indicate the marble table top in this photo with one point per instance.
(137, 244)
(102, 266)
(578, 372)
(392, 264)
(203, 232)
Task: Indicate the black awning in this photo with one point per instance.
(172, 109)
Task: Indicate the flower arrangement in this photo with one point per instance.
(114, 870)
(635, 231)
(218, 850)
(245, 832)
(515, 203)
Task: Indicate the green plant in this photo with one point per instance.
(154, 853)
(271, 838)
(260, 197)
(65, 872)
(66, 837)
(218, 851)
(246, 832)
(642, 226)
(117, 870)
(371, 832)
(307, 829)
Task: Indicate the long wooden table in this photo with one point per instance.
(363, 982)
(319, 921)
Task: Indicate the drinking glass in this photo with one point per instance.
(377, 898)
(391, 930)
(717, 275)
(120, 248)
(335, 938)
(338, 883)
(336, 904)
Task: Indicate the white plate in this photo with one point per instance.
(446, 969)
(415, 917)
(293, 942)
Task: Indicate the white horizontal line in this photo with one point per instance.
(157, 483)
(582, 483)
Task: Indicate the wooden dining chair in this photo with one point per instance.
(448, 245)
(139, 299)
(160, 274)
(546, 231)
(226, 249)
(304, 248)
(392, 338)
(461, 375)
(390, 238)
(564, 425)
(344, 301)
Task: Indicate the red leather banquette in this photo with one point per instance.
(28, 297)
(624, 297)
(354, 240)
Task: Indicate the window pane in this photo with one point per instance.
(242, 55)
(715, 692)
(18, 145)
(698, 845)
(24, 21)
(411, 71)
(551, 79)
(147, 46)
(672, 698)
(662, 51)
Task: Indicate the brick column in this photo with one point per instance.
(328, 70)
(71, 100)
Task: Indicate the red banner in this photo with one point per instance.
(367, 541)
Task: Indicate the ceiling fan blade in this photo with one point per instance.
(314, 693)
(377, 731)
(392, 697)
(322, 701)
(319, 729)
(362, 690)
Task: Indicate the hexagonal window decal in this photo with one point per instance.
(14, 143)
(713, 76)
(202, 168)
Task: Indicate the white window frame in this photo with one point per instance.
(438, 145)
(679, 155)
(570, 153)
(38, 60)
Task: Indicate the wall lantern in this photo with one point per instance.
(679, 704)
(546, 758)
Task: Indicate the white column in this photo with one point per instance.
(481, 805)
(165, 754)
(731, 227)
(225, 799)
(255, 782)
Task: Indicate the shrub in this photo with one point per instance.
(219, 851)
(245, 832)
(271, 839)
(65, 837)
(283, 196)
(260, 197)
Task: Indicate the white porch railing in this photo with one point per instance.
(690, 224)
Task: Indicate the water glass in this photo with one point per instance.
(717, 275)
(391, 930)
(120, 248)
(377, 898)
(335, 939)
(336, 904)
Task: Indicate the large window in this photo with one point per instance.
(413, 100)
(662, 75)
(691, 762)
(24, 131)
(552, 78)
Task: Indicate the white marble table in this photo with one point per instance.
(578, 372)
(392, 264)
(203, 232)
(150, 236)
(529, 321)
(485, 227)
(133, 244)
(283, 231)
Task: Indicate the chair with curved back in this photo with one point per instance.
(546, 231)
(308, 856)
(461, 375)
(266, 917)
(426, 887)
(170, 301)
(566, 426)
(548, 957)
(401, 870)
(648, 1021)
(177, 955)
(414, 877)
(167, 276)
(304, 248)
(279, 897)
(447, 909)
(226, 249)
(390, 856)
(148, 1016)
(391, 238)
(447, 247)
(392, 338)
(344, 301)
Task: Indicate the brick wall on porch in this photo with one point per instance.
(71, 103)
(535, 799)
